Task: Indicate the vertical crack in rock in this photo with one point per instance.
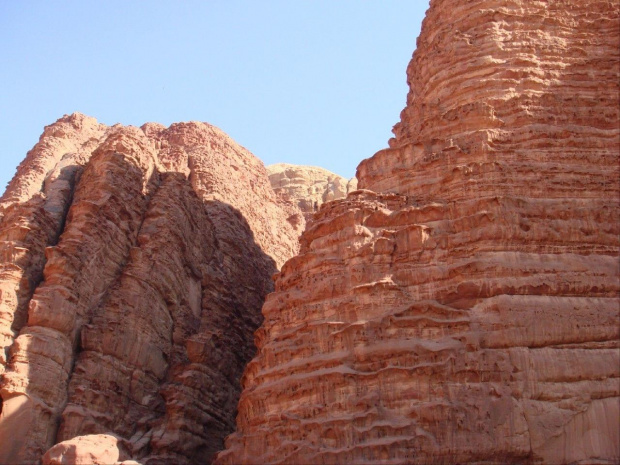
(75, 134)
(462, 307)
(129, 344)
(24, 234)
(100, 228)
(31, 220)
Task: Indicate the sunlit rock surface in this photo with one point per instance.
(103, 449)
(463, 306)
(308, 187)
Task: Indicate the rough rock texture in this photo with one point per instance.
(467, 310)
(308, 187)
(32, 212)
(99, 449)
(140, 265)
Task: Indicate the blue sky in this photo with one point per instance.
(316, 82)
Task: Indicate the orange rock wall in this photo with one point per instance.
(463, 306)
(507, 97)
(32, 212)
(131, 285)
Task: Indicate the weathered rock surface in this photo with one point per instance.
(32, 216)
(308, 187)
(141, 267)
(462, 307)
(99, 449)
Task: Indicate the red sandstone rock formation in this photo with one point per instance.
(308, 187)
(466, 311)
(140, 265)
(32, 212)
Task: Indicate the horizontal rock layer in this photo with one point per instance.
(131, 286)
(463, 306)
(403, 332)
(507, 97)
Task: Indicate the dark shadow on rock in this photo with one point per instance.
(206, 248)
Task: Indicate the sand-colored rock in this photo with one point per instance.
(308, 187)
(462, 307)
(142, 265)
(94, 449)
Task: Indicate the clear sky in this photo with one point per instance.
(315, 82)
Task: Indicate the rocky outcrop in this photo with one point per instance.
(308, 187)
(140, 266)
(462, 307)
(103, 449)
(32, 213)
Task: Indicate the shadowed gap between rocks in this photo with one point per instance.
(45, 225)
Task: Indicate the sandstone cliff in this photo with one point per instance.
(134, 265)
(463, 306)
(308, 187)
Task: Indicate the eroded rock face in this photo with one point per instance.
(308, 187)
(463, 306)
(100, 449)
(141, 267)
(32, 216)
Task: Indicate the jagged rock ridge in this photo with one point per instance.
(134, 265)
(308, 187)
(462, 307)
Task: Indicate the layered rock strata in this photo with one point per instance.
(142, 265)
(463, 306)
(308, 187)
